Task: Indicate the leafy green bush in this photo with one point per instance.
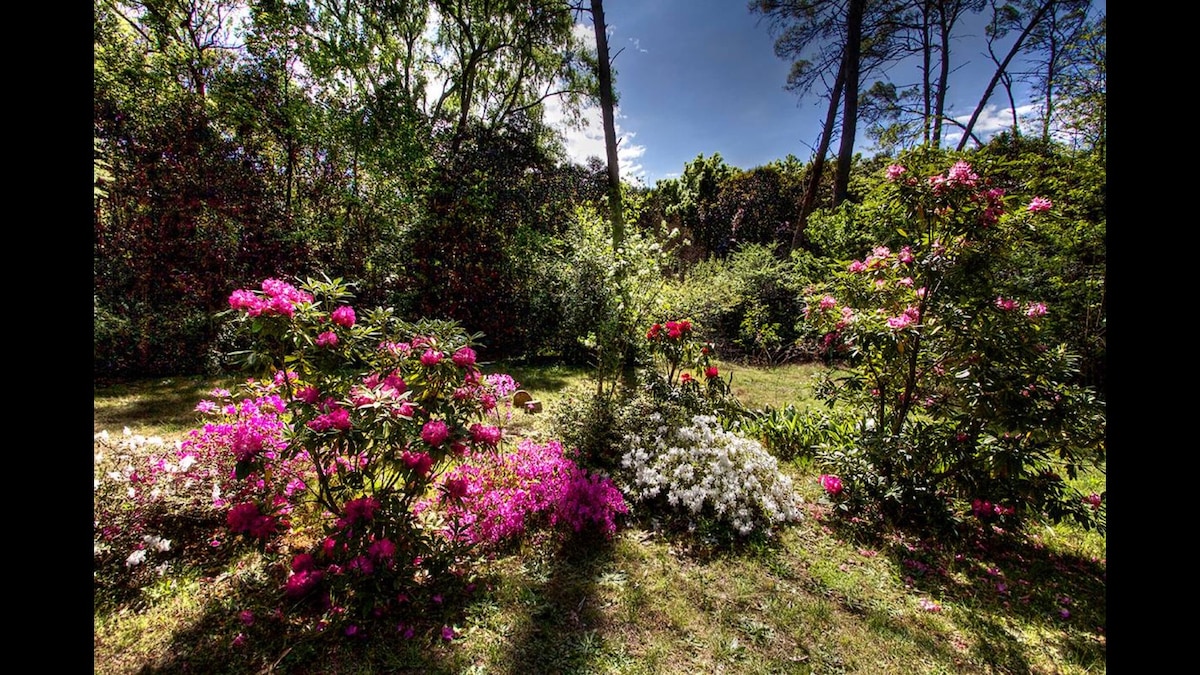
(962, 396)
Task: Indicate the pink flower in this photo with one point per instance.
(685, 378)
(857, 266)
(448, 633)
(905, 255)
(382, 550)
(1093, 499)
(929, 605)
(1006, 305)
(419, 462)
(1039, 204)
(464, 357)
(486, 435)
(828, 302)
(308, 394)
(710, 372)
(343, 316)
(435, 432)
(431, 358)
(246, 617)
(962, 174)
(895, 171)
(1035, 310)
(831, 484)
(327, 339)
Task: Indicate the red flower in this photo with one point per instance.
(710, 372)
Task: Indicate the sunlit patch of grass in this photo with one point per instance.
(154, 407)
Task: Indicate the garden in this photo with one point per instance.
(926, 496)
(388, 379)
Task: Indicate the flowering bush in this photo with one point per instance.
(490, 499)
(704, 472)
(340, 461)
(959, 396)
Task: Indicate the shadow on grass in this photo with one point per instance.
(561, 629)
(558, 631)
(169, 402)
(1002, 581)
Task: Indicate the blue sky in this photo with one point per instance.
(701, 77)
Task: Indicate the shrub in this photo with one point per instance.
(961, 396)
(705, 473)
(365, 460)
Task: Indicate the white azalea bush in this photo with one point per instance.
(705, 473)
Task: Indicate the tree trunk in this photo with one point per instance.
(818, 165)
(610, 128)
(851, 65)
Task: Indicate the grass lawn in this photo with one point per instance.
(816, 599)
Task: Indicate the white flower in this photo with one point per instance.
(136, 558)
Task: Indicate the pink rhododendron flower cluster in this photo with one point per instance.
(986, 511)
(435, 432)
(894, 172)
(500, 496)
(1094, 500)
(343, 316)
(831, 484)
(327, 339)
(464, 357)
(277, 298)
(1039, 205)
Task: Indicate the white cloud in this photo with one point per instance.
(587, 140)
(637, 44)
(992, 121)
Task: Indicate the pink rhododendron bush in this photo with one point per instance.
(966, 413)
(371, 464)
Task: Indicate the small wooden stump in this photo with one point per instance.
(526, 402)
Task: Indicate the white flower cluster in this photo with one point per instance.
(702, 466)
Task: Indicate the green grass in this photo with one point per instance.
(816, 599)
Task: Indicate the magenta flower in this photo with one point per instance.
(895, 171)
(962, 174)
(1035, 310)
(246, 616)
(832, 484)
(828, 302)
(710, 372)
(1093, 499)
(327, 339)
(448, 633)
(431, 358)
(1039, 204)
(464, 357)
(1005, 304)
(435, 432)
(343, 316)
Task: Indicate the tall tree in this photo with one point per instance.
(846, 40)
(607, 103)
(1084, 88)
(1006, 18)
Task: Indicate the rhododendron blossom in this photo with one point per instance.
(435, 432)
(831, 484)
(343, 316)
(1039, 205)
(327, 339)
(464, 357)
(895, 171)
